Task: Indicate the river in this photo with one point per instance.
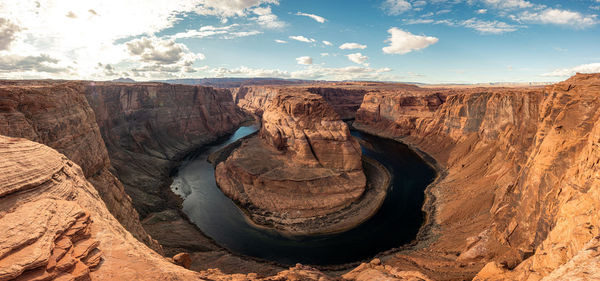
(395, 224)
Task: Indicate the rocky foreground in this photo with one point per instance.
(518, 198)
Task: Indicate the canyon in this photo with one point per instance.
(86, 170)
(304, 164)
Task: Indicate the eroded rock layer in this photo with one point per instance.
(520, 188)
(344, 99)
(58, 115)
(56, 227)
(304, 163)
(148, 127)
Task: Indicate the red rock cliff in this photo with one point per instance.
(55, 225)
(520, 187)
(148, 127)
(345, 101)
(305, 162)
(58, 115)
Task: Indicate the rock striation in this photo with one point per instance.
(149, 127)
(345, 100)
(303, 164)
(55, 225)
(59, 115)
(520, 175)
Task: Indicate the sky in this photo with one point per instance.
(427, 41)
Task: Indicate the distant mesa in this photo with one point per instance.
(123, 80)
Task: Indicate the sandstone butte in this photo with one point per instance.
(303, 164)
(517, 197)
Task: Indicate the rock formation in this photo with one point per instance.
(58, 115)
(517, 199)
(148, 127)
(304, 163)
(345, 100)
(55, 225)
(520, 181)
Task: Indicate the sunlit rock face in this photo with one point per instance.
(55, 225)
(522, 166)
(304, 162)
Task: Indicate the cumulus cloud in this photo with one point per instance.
(327, 43)
(41, 63)
(584, 68)
(302, 39)
(559, 17)
(230, 8)
(312, 16)
(304, 60)
(8, 30)
(352, 46)
(81, 34)
(481, 11)
(509, 4)
(488, 27)
(403, 42)
(156, 50)
(280, 41)
(358, 58)
(396, 7)
(266, 18)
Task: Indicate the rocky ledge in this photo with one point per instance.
(303, 170)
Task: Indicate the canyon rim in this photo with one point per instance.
(299, 140)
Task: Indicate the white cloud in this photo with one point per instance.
(229, 8)
(584, 68)
(327, 43)
(205, 31)
(302, 39)
(266, 18)
(304, 60)
(280, 41)
(312, 16)
(343, 73)
(41, 63)
(7, 33)
(418, 21)
(352, 46)
(358, 58)
(324, 54)
(488, 27)
(396, 7)
(481, 11)
(79, 35)
(244, 71)
(509, 4)
(559, 17)
(160, 51)
(403, 42)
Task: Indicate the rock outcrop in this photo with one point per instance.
(520, 175)
(58, 115)
(304, 163)
(344, 99)
(148, 127)
(55, 225)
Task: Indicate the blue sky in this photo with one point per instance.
(436, 41)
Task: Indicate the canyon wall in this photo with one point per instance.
(58, 115)
(345, 101)
(149, 127)
(520, 177)
(304, 162)
(55, 225)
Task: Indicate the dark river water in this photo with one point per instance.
(395, 224)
